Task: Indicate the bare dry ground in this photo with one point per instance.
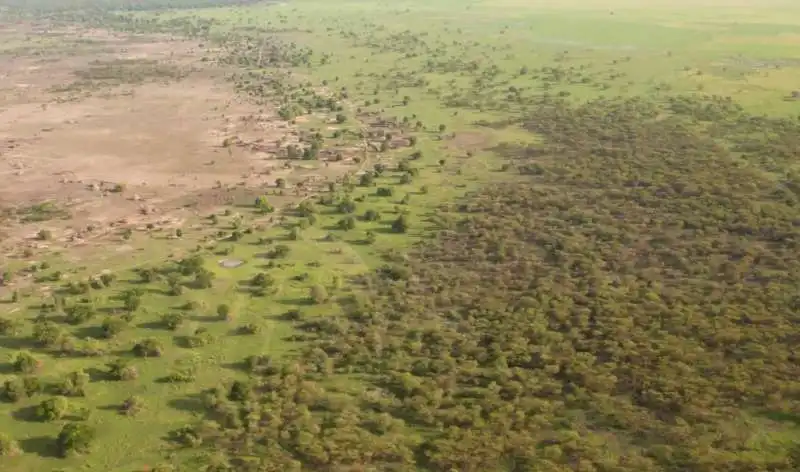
(122, 130)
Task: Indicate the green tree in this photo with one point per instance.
(25, 362)
(224, 311)
(47, 333)
(347, 223)
(132, 405)
(204, 279)
(53, 409)
(401, 224)
(150, 347)
(121, 369)
(75, 438)
(14, 390)
(113, 326)
(172, 321)
(263, 205)
(74, 384)
(372, 215)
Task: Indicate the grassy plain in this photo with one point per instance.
(378, 50)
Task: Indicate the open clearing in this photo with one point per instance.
(339, 235)
(126, 130)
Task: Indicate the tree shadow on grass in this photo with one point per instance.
(42, 446)
(27, 414)
(95, 332)
(98, 375)
(152, 325)
(190, 403)
(782, 417)
(16, 343)
(298, 301)
(111, 407)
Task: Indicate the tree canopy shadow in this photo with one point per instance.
(192, 403)
(42, 446)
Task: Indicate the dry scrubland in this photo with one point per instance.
(370, 236)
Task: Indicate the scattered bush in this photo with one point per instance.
(132, 405)
(113, 326)
(122, 370)
(400, 225)
(347, 224)
(173, 321)
(150, 347)
(74, 384)
(8, 446)
(318, 294)
(25, 362)
(75, 438)
(52, 409)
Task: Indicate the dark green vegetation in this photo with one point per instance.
(620, 293)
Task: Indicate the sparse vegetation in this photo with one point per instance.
(446, 236)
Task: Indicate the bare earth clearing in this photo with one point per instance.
(121, 131)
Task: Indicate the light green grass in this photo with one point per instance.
(735, 48)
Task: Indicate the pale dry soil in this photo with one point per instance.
(161, 140)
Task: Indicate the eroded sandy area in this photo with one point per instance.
(142, 138)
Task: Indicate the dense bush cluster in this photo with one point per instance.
(632, 306)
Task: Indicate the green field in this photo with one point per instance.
(590, 264)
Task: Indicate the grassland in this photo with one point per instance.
(466, 81)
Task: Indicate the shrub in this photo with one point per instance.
(52, 409)
(32, 385)
(371, 215)
(172, 321)
(249, 328)
(113, 326)
(132, 405)
(204, 279)
(14, 390)
(8, 446)
(224, 311)
(75, 438)
(280, 251)
(25, 362)
(347, 224)
(263, 205)
(240, 391)
(74, 384)
(148, 348)
(47, 333)
(400, 225)
(9, 327)
(79, 313)
(107, 278)
(121, 369)
(200, 338)
(318, 294)
(263, 280)
(347, 205)
(366, 179)
(292, 315)
(260, 364)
